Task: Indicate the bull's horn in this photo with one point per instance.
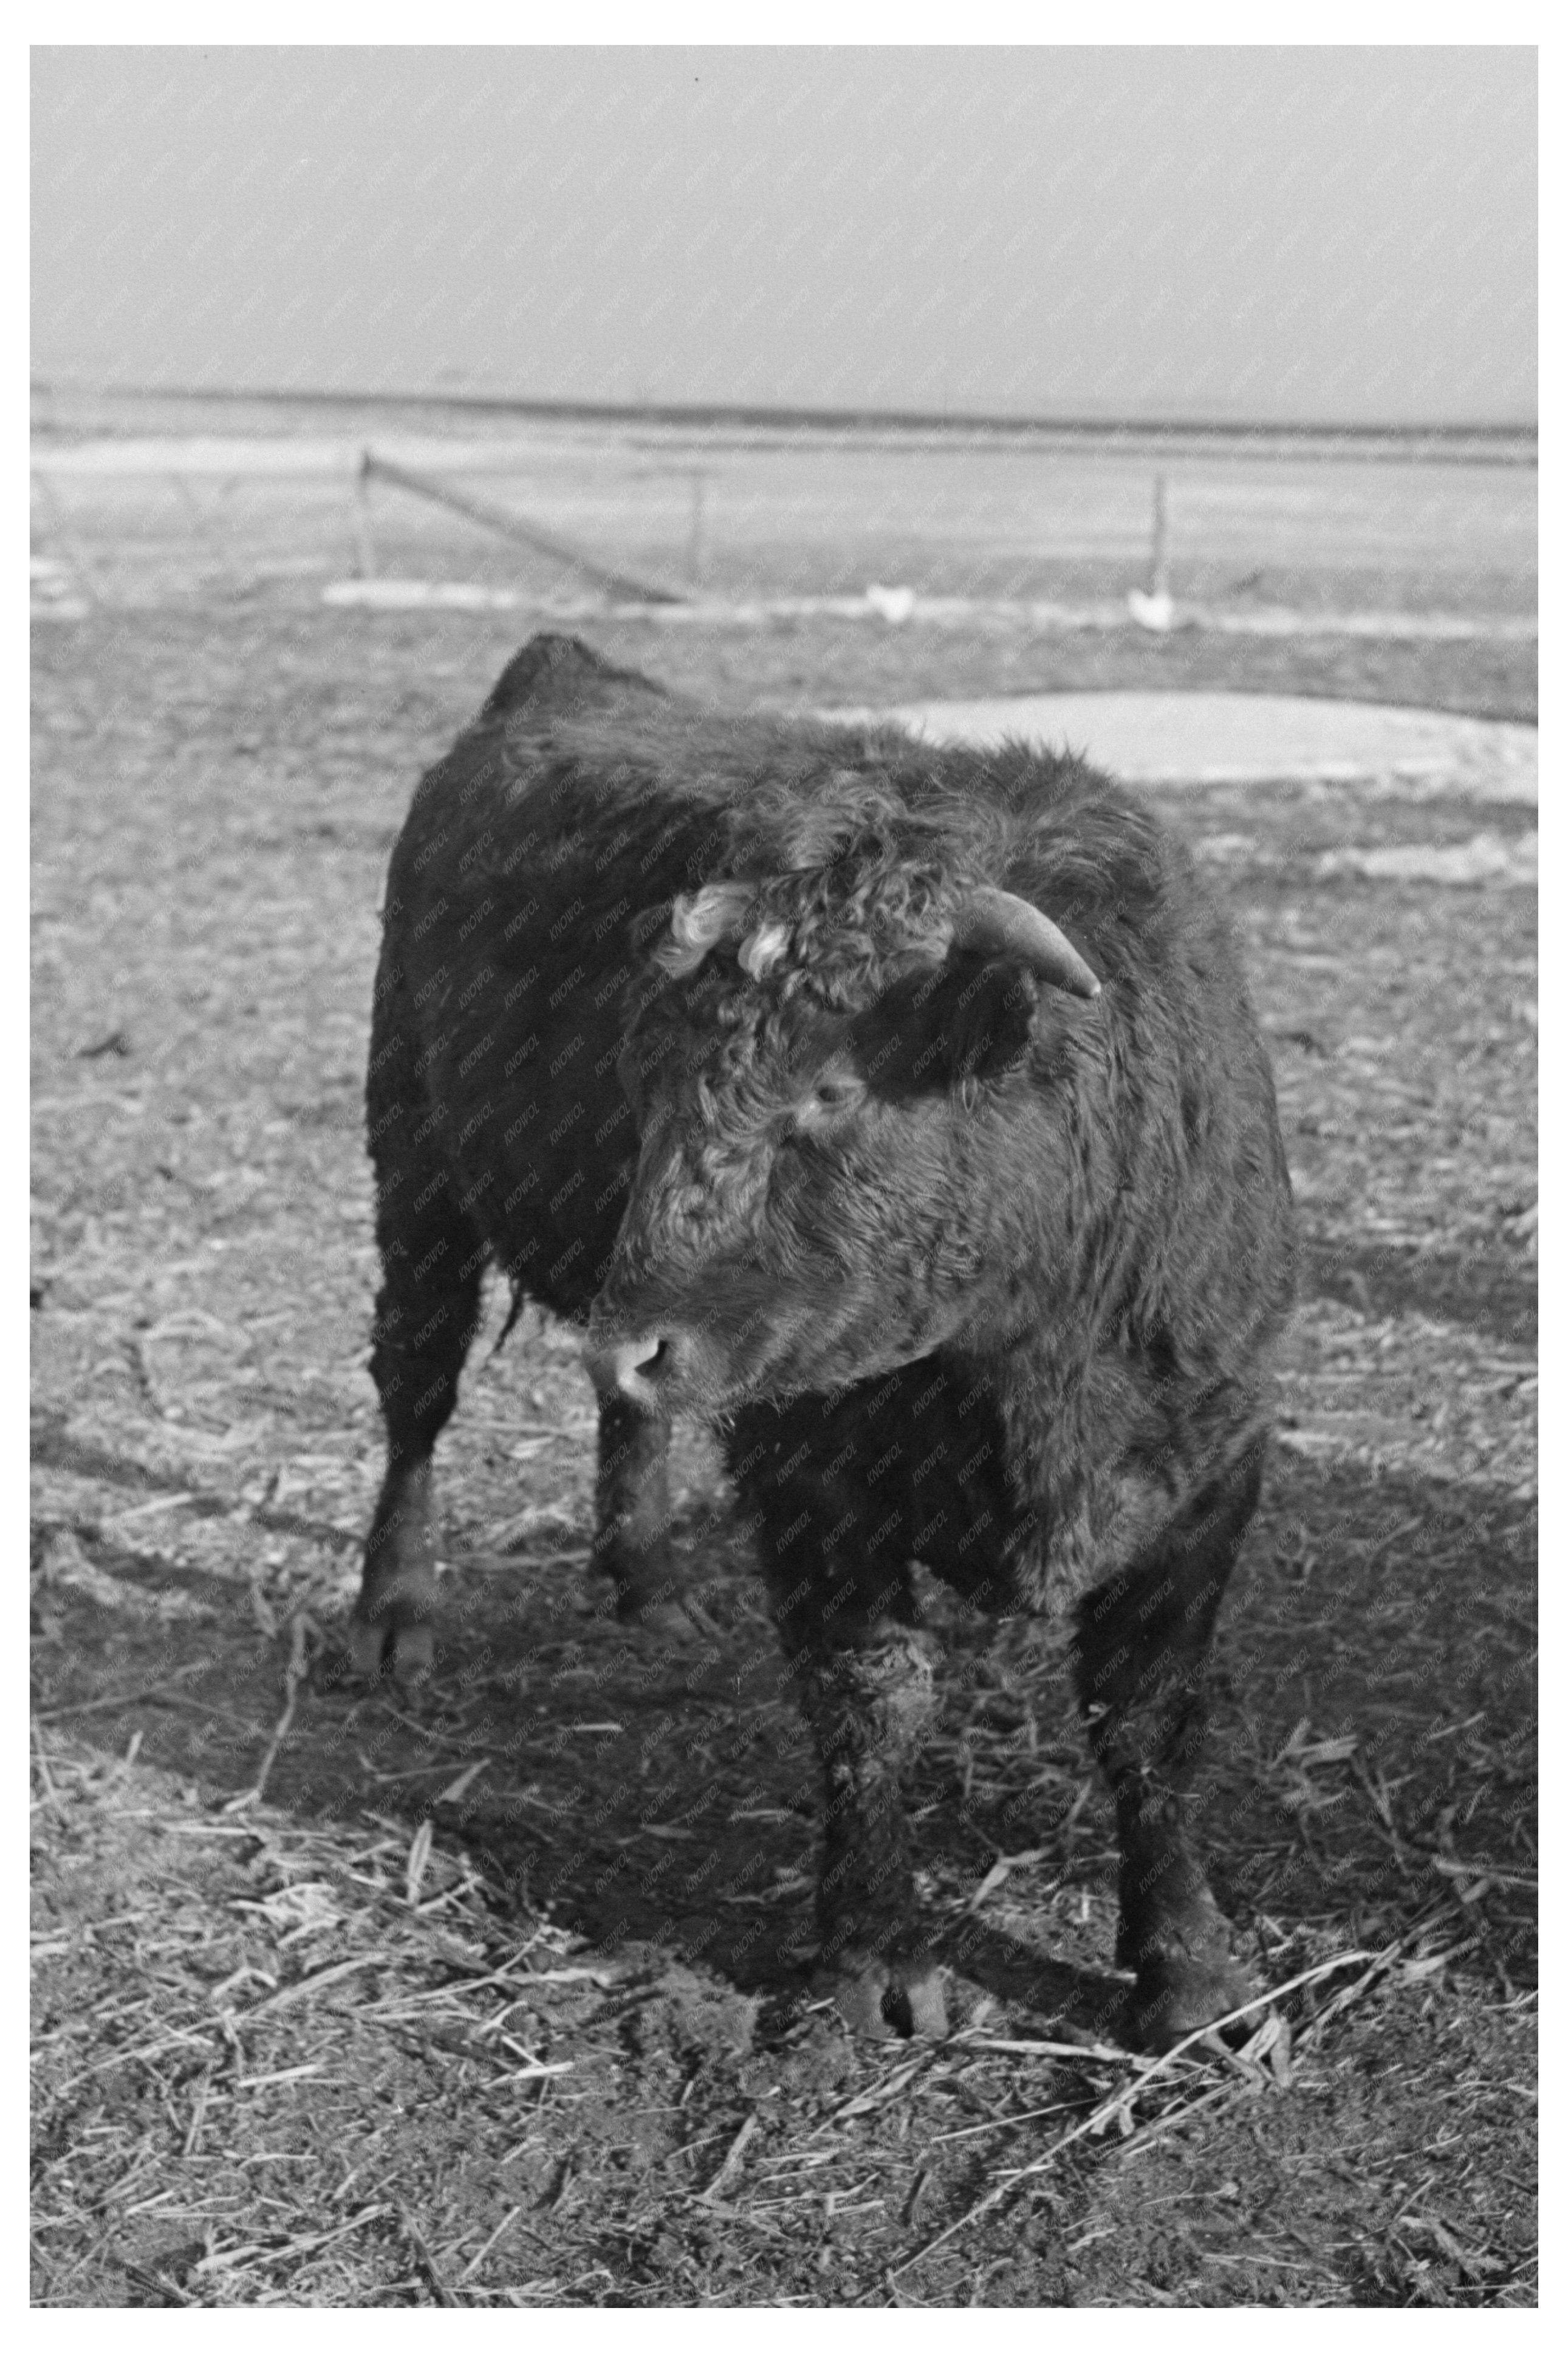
(997, 923)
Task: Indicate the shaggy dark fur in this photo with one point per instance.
(966, 1268)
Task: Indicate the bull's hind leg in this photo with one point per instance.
(425, 1312)
(1142, 1647)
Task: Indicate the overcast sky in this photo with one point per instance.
(1333, 233)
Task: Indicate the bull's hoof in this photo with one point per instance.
(657, 1614)
(386, 1645)
(1178, 1994)
(880, 1999)
(644, 1608)
(637, 1582)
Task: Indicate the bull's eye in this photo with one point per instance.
(834, 1093)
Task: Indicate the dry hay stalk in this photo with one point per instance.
(1117, 2105)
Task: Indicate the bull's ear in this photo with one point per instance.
(991, 1021)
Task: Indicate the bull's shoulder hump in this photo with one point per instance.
(552, 675)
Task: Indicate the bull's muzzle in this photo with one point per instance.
(643, 1370)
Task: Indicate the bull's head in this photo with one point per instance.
(842, 1164)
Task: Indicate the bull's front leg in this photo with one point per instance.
(1142, 1646)
(834, 1556)
(868, 1702)
(631, 1541)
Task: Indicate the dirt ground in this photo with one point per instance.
(495, 1995)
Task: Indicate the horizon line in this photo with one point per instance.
(805, 417)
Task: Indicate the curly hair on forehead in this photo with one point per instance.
(855, 823)
(850, 876)
(823, 877)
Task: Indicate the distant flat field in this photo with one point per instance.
(161, 515)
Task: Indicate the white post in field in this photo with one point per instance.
(1152, 607)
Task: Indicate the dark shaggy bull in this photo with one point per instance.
(762, 1049)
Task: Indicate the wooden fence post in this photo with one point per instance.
(1159, 554)
(365, 536)
(696, 553)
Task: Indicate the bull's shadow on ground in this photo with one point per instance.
(1488, 1290)
(1371, 1764)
